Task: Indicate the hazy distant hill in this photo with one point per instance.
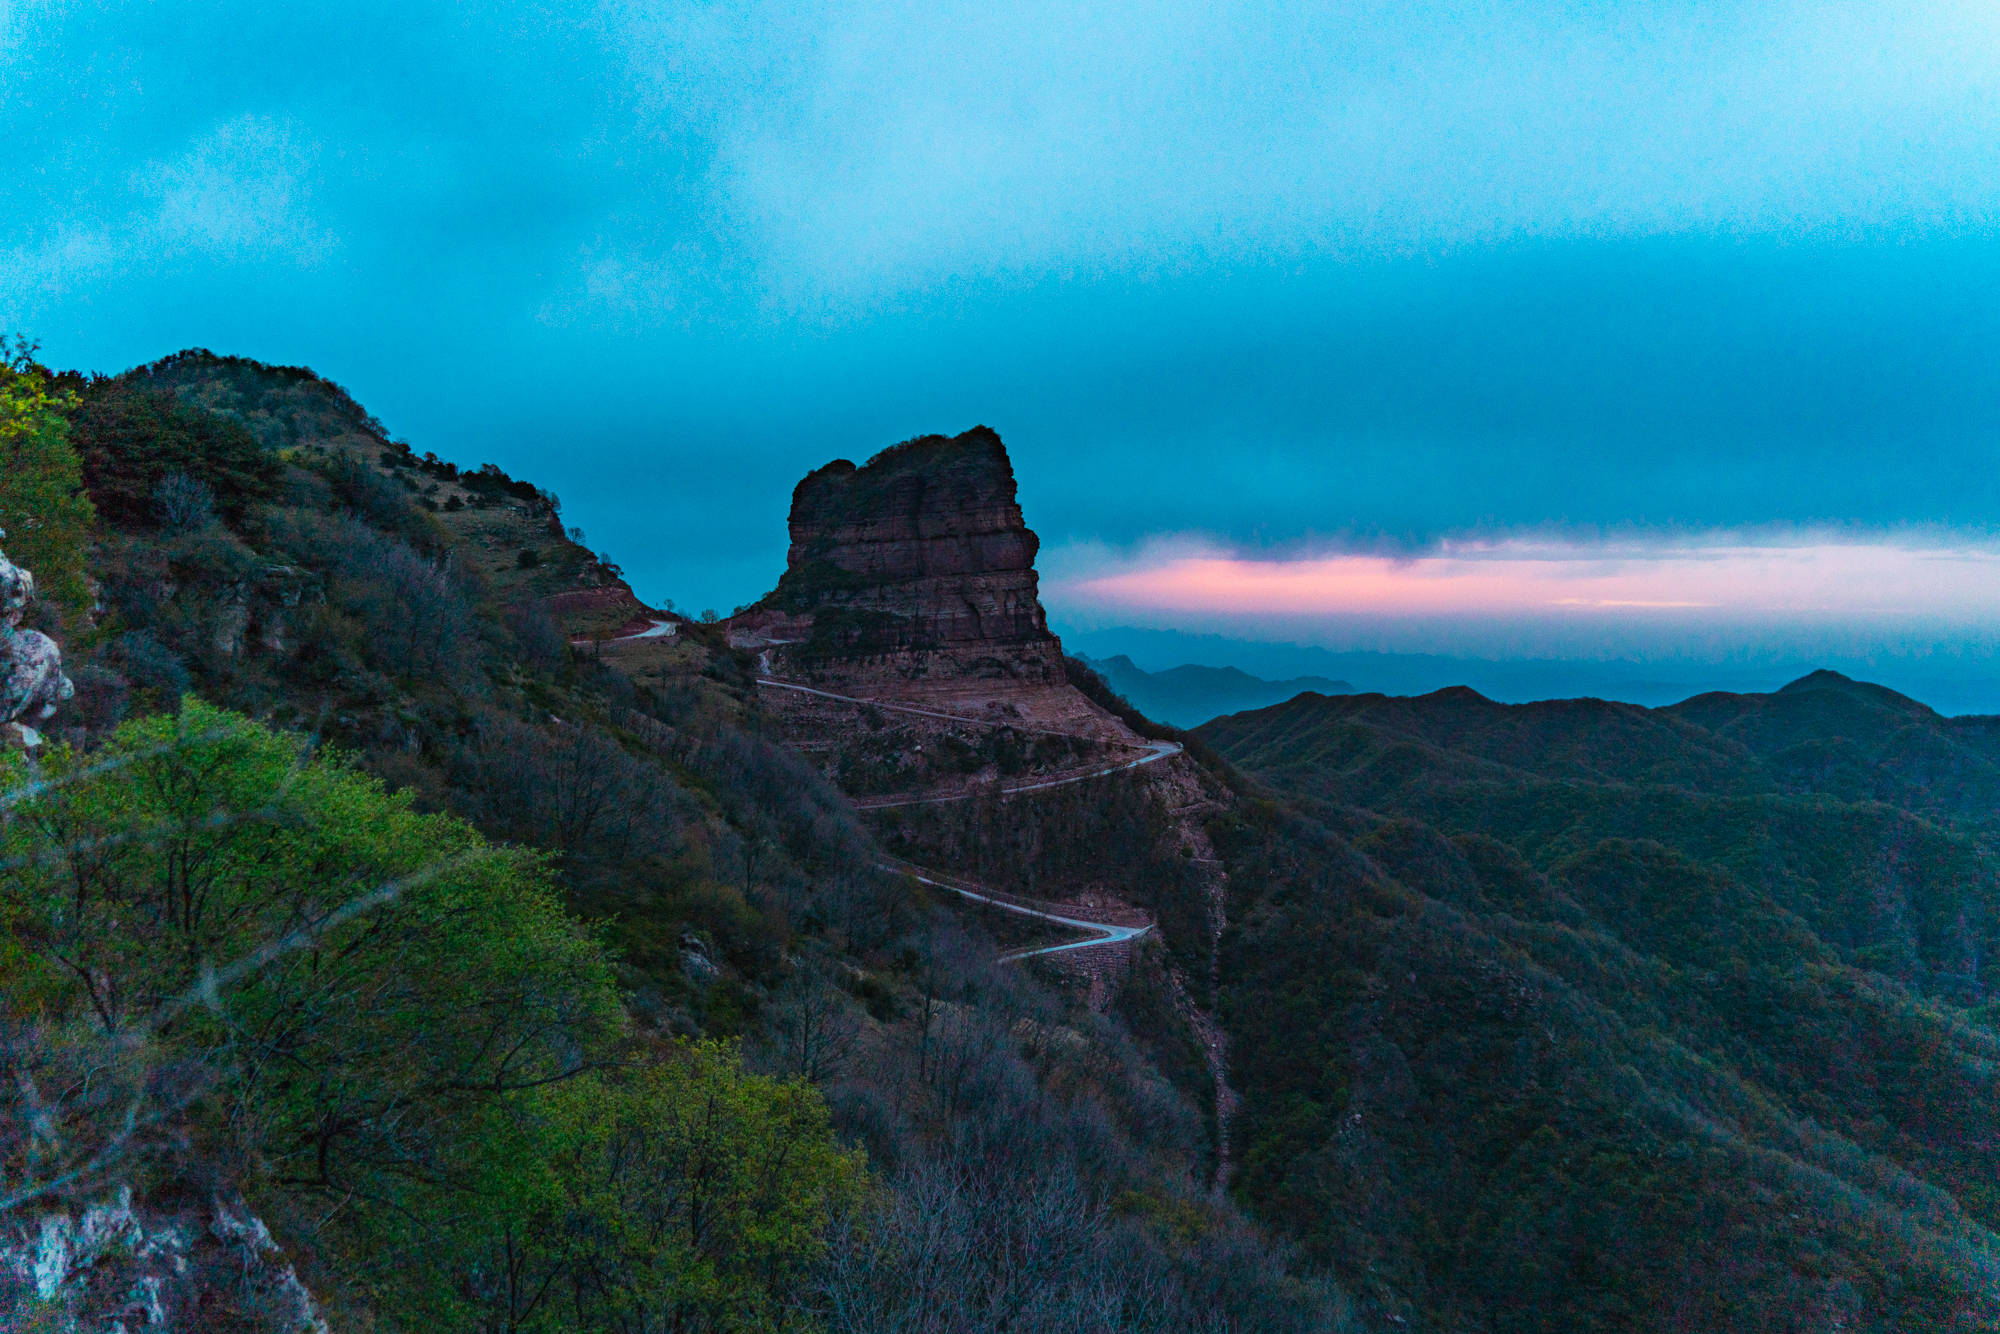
(1967, 683)
(1823, 734)
(1190, 696)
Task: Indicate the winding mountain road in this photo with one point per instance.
(655, 629)
(1155, 750)
(1102, 933)
(1213, 1041)
(1105, 932)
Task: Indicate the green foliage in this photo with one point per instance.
(133, 436)
(369, 1017)
(680, 1194)
(282, 406)
(43, 508)
(427, 970)
(1146, 1001)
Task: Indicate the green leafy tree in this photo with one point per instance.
(350, 976)
(674, 1191)
(226, 961)
(43, 508)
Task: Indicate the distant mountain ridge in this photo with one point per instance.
(1822, 734)
(1953, 684)
(1578, 1015)
(1191, 695)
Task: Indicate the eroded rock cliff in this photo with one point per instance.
(917, 564)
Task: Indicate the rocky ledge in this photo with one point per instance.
(917, 564)
(32, 683)
(121, 1266)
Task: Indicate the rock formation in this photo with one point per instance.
(917, 565)
(118, 1265)
(32, 683)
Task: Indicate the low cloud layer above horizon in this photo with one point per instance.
(1708, 595)
(1420, 279)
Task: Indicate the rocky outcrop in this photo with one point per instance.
(32, 683)
(917, 564)
(118, 1265)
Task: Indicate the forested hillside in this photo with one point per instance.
(1586, 1016)
(398, 881)
(373, 886)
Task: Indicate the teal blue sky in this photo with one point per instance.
(1274, 279)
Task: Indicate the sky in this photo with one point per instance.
(1641, 332)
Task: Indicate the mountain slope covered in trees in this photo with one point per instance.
(503, 966)
(397, 874)
(1587, 1016)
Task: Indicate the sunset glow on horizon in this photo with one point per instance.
(1720, 577)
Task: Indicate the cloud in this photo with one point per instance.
(243, 190)
(1270, 271)
(906, 143)
(56, 264)
(853, 153)
(1875, 589)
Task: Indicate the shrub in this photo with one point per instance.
(43, 508)
(183, 504)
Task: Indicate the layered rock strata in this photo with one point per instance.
(916, 565)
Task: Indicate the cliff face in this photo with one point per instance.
(918, 564)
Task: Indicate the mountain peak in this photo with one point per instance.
(1823, 679)
(918, 563)
(1833, 682)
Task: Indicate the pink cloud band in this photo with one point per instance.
(1724, 577)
